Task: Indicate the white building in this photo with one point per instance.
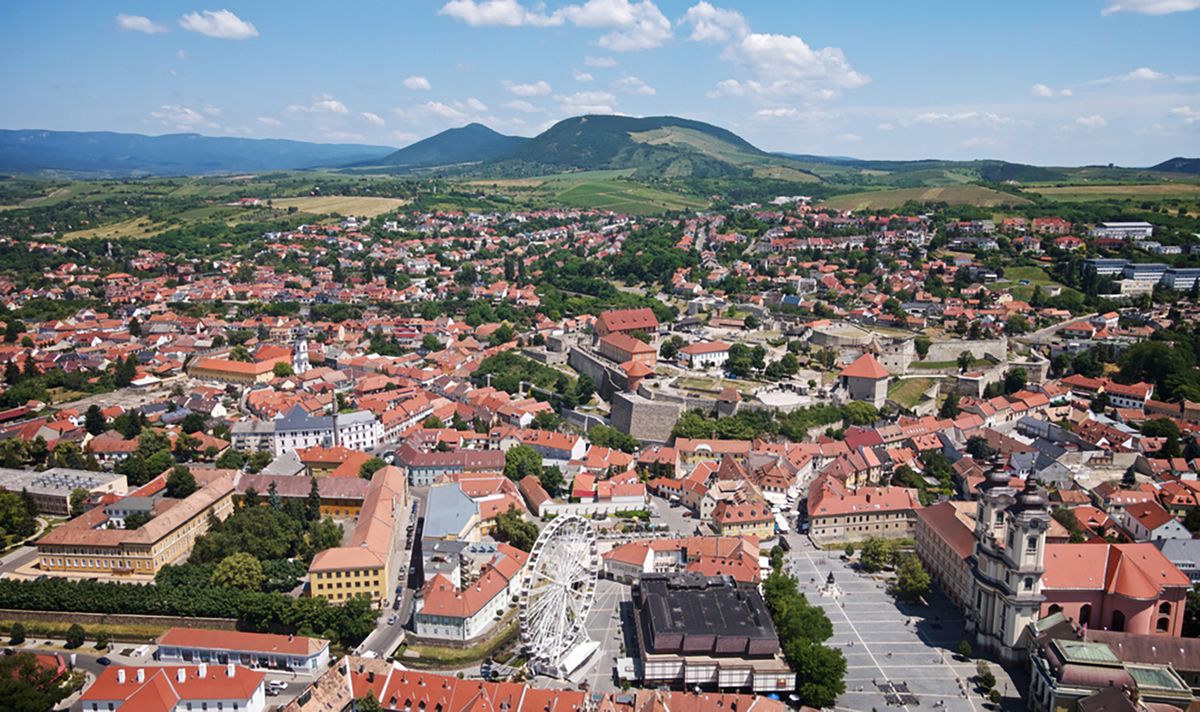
(708, 354)
(170, 688)
(448, 612)
(359, 430)
(1124, 230)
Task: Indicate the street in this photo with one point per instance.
(387, 637)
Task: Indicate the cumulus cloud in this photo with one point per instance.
(713, 24)
(475, 105)
(1141, 74)
(182, 118)
(1095, 121)
(446, 111)
(601, 62)
(850, 137)
(137, 23)
(886, 126)
(323, 104)
(221, 24)
(582, 76)
(587, 102)
(521, 105)
(1151, 7)
(416, 83)
(780, 67)
(1042, 91)
(633, 85)
(538, 88)
(628, 25)
(496, 13)
(1187, 113)
(372, 118)
(268, 121)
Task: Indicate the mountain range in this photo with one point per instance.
(651, 147)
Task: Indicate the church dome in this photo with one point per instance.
(1030, 498)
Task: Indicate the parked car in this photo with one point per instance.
(392, 619)
(103, 661)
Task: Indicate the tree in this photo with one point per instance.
(912, 580)
(125, 371)
(978, 448)
(987, 679)
(367, 703)
(860, 413)
(1015, 380)
(610, 437)
(312, 505)
(522, 460)
(433, 423)
(240, 353)
(875, 554)
(283, 369)
(250, 497)
(180, 483)
(93, 420)
(429, 343)
(820, 672)
(75, 635)
(192, 423)
(551, 479)
(274, 501)
(922, 344)
(949, 407)
(964, 648)
(135, 520)
(547, 420)
(16, 634)
(513, 528)
(1167, 429)
(670, 348)
(258, 460)
(79, 498)
(239, 570)
(231, 460)
(965, 359)
(368, 469)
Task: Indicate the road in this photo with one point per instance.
(1046, 335)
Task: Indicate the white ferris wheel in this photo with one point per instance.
(559, 588)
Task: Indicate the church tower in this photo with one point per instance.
(300, 362)
(1007, 565)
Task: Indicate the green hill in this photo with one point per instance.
(1179, 164)
(657, 146)
(472, 143)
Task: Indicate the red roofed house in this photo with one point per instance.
(838, 514)
(165, 689)
(622, 348)
(625, 321)
(262, 650)
(866, 380)
(708, 354)
(1148, 521)
(447, 612)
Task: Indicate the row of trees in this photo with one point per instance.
(795, 425)
(802, 629)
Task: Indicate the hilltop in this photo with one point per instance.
(472, 143)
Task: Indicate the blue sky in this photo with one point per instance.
(1064, 82)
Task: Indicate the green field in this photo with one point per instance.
(602, 190)
(1147, 191)
(341, 204)
(907, 392)
(955, 195)
(1036, 276)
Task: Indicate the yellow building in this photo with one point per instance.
(753, 518)
(341, 497)
(362, 567)
(225, 370)
(86, 546)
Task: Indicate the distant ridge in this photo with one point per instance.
(472, 143)
(1179, 165)
(104, 153)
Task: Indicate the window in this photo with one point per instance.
(1031, 544)
(1054, 609)
(1028, 583)
(1164, 624)
(1085, 614)
(1164, 608)
(1118, 622)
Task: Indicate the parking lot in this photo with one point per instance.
(897, 656)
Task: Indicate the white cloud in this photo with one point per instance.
(1042, 91)
(601, 62)
(138, 23)
(371, 118)
(268, 121)
(850, 137)
(496, 13)
(1095, 121)
(445, 111)
(781, 67)
(587, 102)
(633, 85)
(475, 105)
(181, 55)
(323, 104)
(974, 119)
(416, 83)
(182, 118)
(1144, 74)
(582, 76)
(713, 24)
(1151, 7)
(1187, 113)
(221, 24)
(538, 88)
(629, 25)
(212, 110)
(886, 126)
(521, 105)
(978, 141)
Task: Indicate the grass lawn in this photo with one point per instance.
(1150, 191)
(907, 392)
(437, 656)
(58, 629)
(938, 365)
(1036, 276)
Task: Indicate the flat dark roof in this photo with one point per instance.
(689, 613)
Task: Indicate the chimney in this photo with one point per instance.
(141, 675)
(181, 675)
(202, 670)
(121, 676)
(230, 670)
